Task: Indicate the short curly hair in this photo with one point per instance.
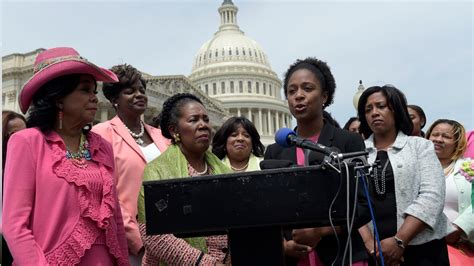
(322, 72)
(230, 126)
(127, 75)
(171, 112)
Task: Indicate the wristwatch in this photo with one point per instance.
(399, 242)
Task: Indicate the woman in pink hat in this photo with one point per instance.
(60, 205)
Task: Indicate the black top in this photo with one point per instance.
(382, 188)
(345, 141)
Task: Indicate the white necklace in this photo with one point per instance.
(380, 189)
(204, 171)
(137, 137)
(239, 169)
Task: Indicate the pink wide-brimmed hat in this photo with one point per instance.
(56, 62)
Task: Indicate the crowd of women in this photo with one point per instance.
(73, 191)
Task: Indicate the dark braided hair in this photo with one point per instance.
(171, 112)
(322, 72)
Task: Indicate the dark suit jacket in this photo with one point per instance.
(345, 141)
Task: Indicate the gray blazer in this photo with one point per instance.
(419, 184)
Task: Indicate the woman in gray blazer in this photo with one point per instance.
(407, 188)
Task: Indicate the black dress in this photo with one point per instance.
(382, 188)
(327, 248)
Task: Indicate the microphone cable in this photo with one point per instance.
(361, 174)
(330, 218)
(350, 224)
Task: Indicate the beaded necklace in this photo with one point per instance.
(380, 189)
(137, 136)
(80, 158)
(235, 169)
(204, 171)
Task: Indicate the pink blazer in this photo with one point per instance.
(46, 200)
(129, 165)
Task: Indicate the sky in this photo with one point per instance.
(424, 48)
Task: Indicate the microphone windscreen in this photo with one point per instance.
(274, 164)
(281, 137)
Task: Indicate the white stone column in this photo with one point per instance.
(269, 122)
(277, 120)
(250, 115)
(103, 114)
(238, 112)
(260, 125)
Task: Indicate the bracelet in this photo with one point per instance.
(399, 242)
(199, 258)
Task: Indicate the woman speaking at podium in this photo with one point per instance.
(309, 87)
(185, 121)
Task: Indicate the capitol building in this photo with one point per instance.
(235, 70)
(230, 73)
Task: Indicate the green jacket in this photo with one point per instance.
(172, 164)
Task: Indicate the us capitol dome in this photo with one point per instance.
(235, 70)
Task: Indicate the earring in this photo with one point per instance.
(177, 138)
(60, 118)
(115, 105)
(87, 127)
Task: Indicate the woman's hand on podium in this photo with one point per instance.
(308, 236)
(293, 249)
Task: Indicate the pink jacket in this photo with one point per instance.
(48, 217)
(470, 145)
(129, 165)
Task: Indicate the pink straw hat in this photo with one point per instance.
(56, 62)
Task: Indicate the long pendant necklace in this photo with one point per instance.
(137, 137)
(380, 189)
(80, 158)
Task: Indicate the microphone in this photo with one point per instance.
(286, 137)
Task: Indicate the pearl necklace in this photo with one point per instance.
(380, 189)
(137, 137)
(204, 171)
(235, 169)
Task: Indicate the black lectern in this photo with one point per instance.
(251, 207)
